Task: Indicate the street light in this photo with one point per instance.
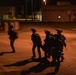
(44, 1)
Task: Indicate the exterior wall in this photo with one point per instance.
(55, 16)
(59, 14)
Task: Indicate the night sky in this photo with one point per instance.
(19, 2)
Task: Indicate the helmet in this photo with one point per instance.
(33, 30)
(47, 32)
(59, 31)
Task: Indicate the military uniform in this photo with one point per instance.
(36, 40)
(12, 36)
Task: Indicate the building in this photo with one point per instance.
(61, 12)
(7, 12)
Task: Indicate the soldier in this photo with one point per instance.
(36, 40)
(57, 50)
(48, 43)
(12, 36)
(62, 38)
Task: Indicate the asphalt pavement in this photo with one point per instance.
(19, 63)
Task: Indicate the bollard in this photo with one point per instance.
(16, 25)
(5, 26)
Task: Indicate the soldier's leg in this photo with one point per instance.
(49, 52)
(39, 52)
(33, 50)
(45, 54)
(54, 55)
(62, 56)
(12, 45)
(45, 51)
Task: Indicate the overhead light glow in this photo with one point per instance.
(59, 17)
(44, 1)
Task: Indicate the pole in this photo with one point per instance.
(26, 9)
(32, 8)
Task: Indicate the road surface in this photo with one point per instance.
(19, 63)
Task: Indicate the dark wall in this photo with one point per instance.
(53, 2)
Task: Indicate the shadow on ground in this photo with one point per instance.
(2, 53)
(43, 64)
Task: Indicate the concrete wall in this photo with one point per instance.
(55, 16)
(58, 13)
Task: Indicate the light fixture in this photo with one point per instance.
(59, 17)
(44, 1)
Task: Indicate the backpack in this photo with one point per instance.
(15, 35)
(38, 38)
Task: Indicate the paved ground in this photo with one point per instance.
(19, 63)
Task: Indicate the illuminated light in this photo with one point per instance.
(44, 1)
(59, 17)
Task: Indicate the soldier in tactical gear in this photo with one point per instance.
(13, 35)
(36, 40)
(57, 50)
(62, 38)
(48, 44)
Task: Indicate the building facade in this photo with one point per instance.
(59, 13)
